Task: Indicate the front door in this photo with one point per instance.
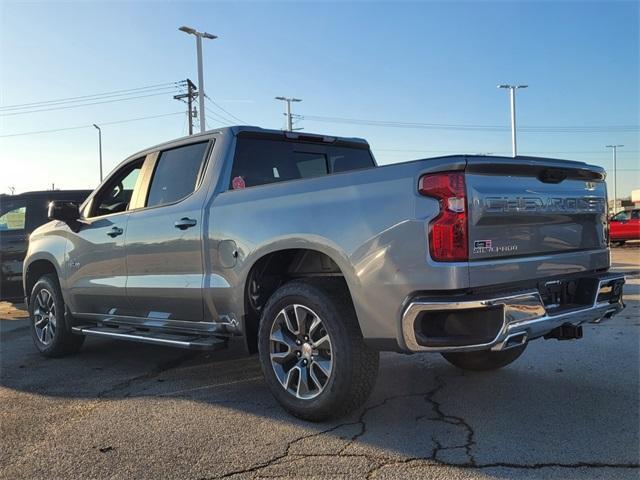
(96, 263)
(13, 245)
(164, 239)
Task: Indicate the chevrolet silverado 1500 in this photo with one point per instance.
(320, 258)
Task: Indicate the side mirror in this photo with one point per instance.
(64, 211)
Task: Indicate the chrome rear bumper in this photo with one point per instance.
(523, 316)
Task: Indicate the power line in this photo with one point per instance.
(161, 90)
(90, 125)
(83, 105)
(219, 117)
(94, 96)
(501, 151)
(225, 111)
(472, 127)
(102, 97)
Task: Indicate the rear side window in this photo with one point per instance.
(262, 161)
(13, 218)
(621, 217)
(176, 174)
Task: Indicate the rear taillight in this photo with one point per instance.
(448, 232)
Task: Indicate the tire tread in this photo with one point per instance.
(363, 361)
(65, 342)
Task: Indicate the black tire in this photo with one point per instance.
(354, 365)
(483, 360)
(51, 341)
(618, 243)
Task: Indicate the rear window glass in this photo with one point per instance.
(262, 161)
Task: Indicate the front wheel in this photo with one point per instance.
(312, 354)
(49, 330)
(484, 359)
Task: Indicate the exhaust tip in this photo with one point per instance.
(515, 340)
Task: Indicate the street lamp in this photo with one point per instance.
(512, 95)
(615, 176)
(288, 113)
(199, 36)
(99, 148)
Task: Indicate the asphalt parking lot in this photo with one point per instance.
(124, 410)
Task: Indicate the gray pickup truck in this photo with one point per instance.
(320, 258)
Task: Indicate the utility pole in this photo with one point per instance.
(615, 176)
(288, 111)
(512, 95)
(199, 36)
(99, 148)
(190, 96)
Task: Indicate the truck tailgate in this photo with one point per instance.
(533, 207)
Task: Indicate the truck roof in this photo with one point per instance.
(237, 129)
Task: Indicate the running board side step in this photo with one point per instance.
(191, 342)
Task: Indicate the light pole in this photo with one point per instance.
(512, 95)
(615, 176)
(199, 36)
(99, 148)
(288, 114)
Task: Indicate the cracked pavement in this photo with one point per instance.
(124, 410)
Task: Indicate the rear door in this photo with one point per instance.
(164, 238)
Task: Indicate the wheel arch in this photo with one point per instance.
(272, 267)
(35, 269)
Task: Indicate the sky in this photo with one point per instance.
(394, 63)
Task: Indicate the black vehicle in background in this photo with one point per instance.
(19, 216)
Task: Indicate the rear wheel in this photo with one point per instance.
(311, 350)
(618, 243)
(49, 330)
(484, 359)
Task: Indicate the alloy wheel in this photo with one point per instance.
(44, 316)
(300, 351)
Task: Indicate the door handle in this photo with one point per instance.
(185, 223)
(114, 232)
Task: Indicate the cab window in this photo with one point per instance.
(115, 197)
(176, 174)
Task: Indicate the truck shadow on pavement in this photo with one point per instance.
(561, 405)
